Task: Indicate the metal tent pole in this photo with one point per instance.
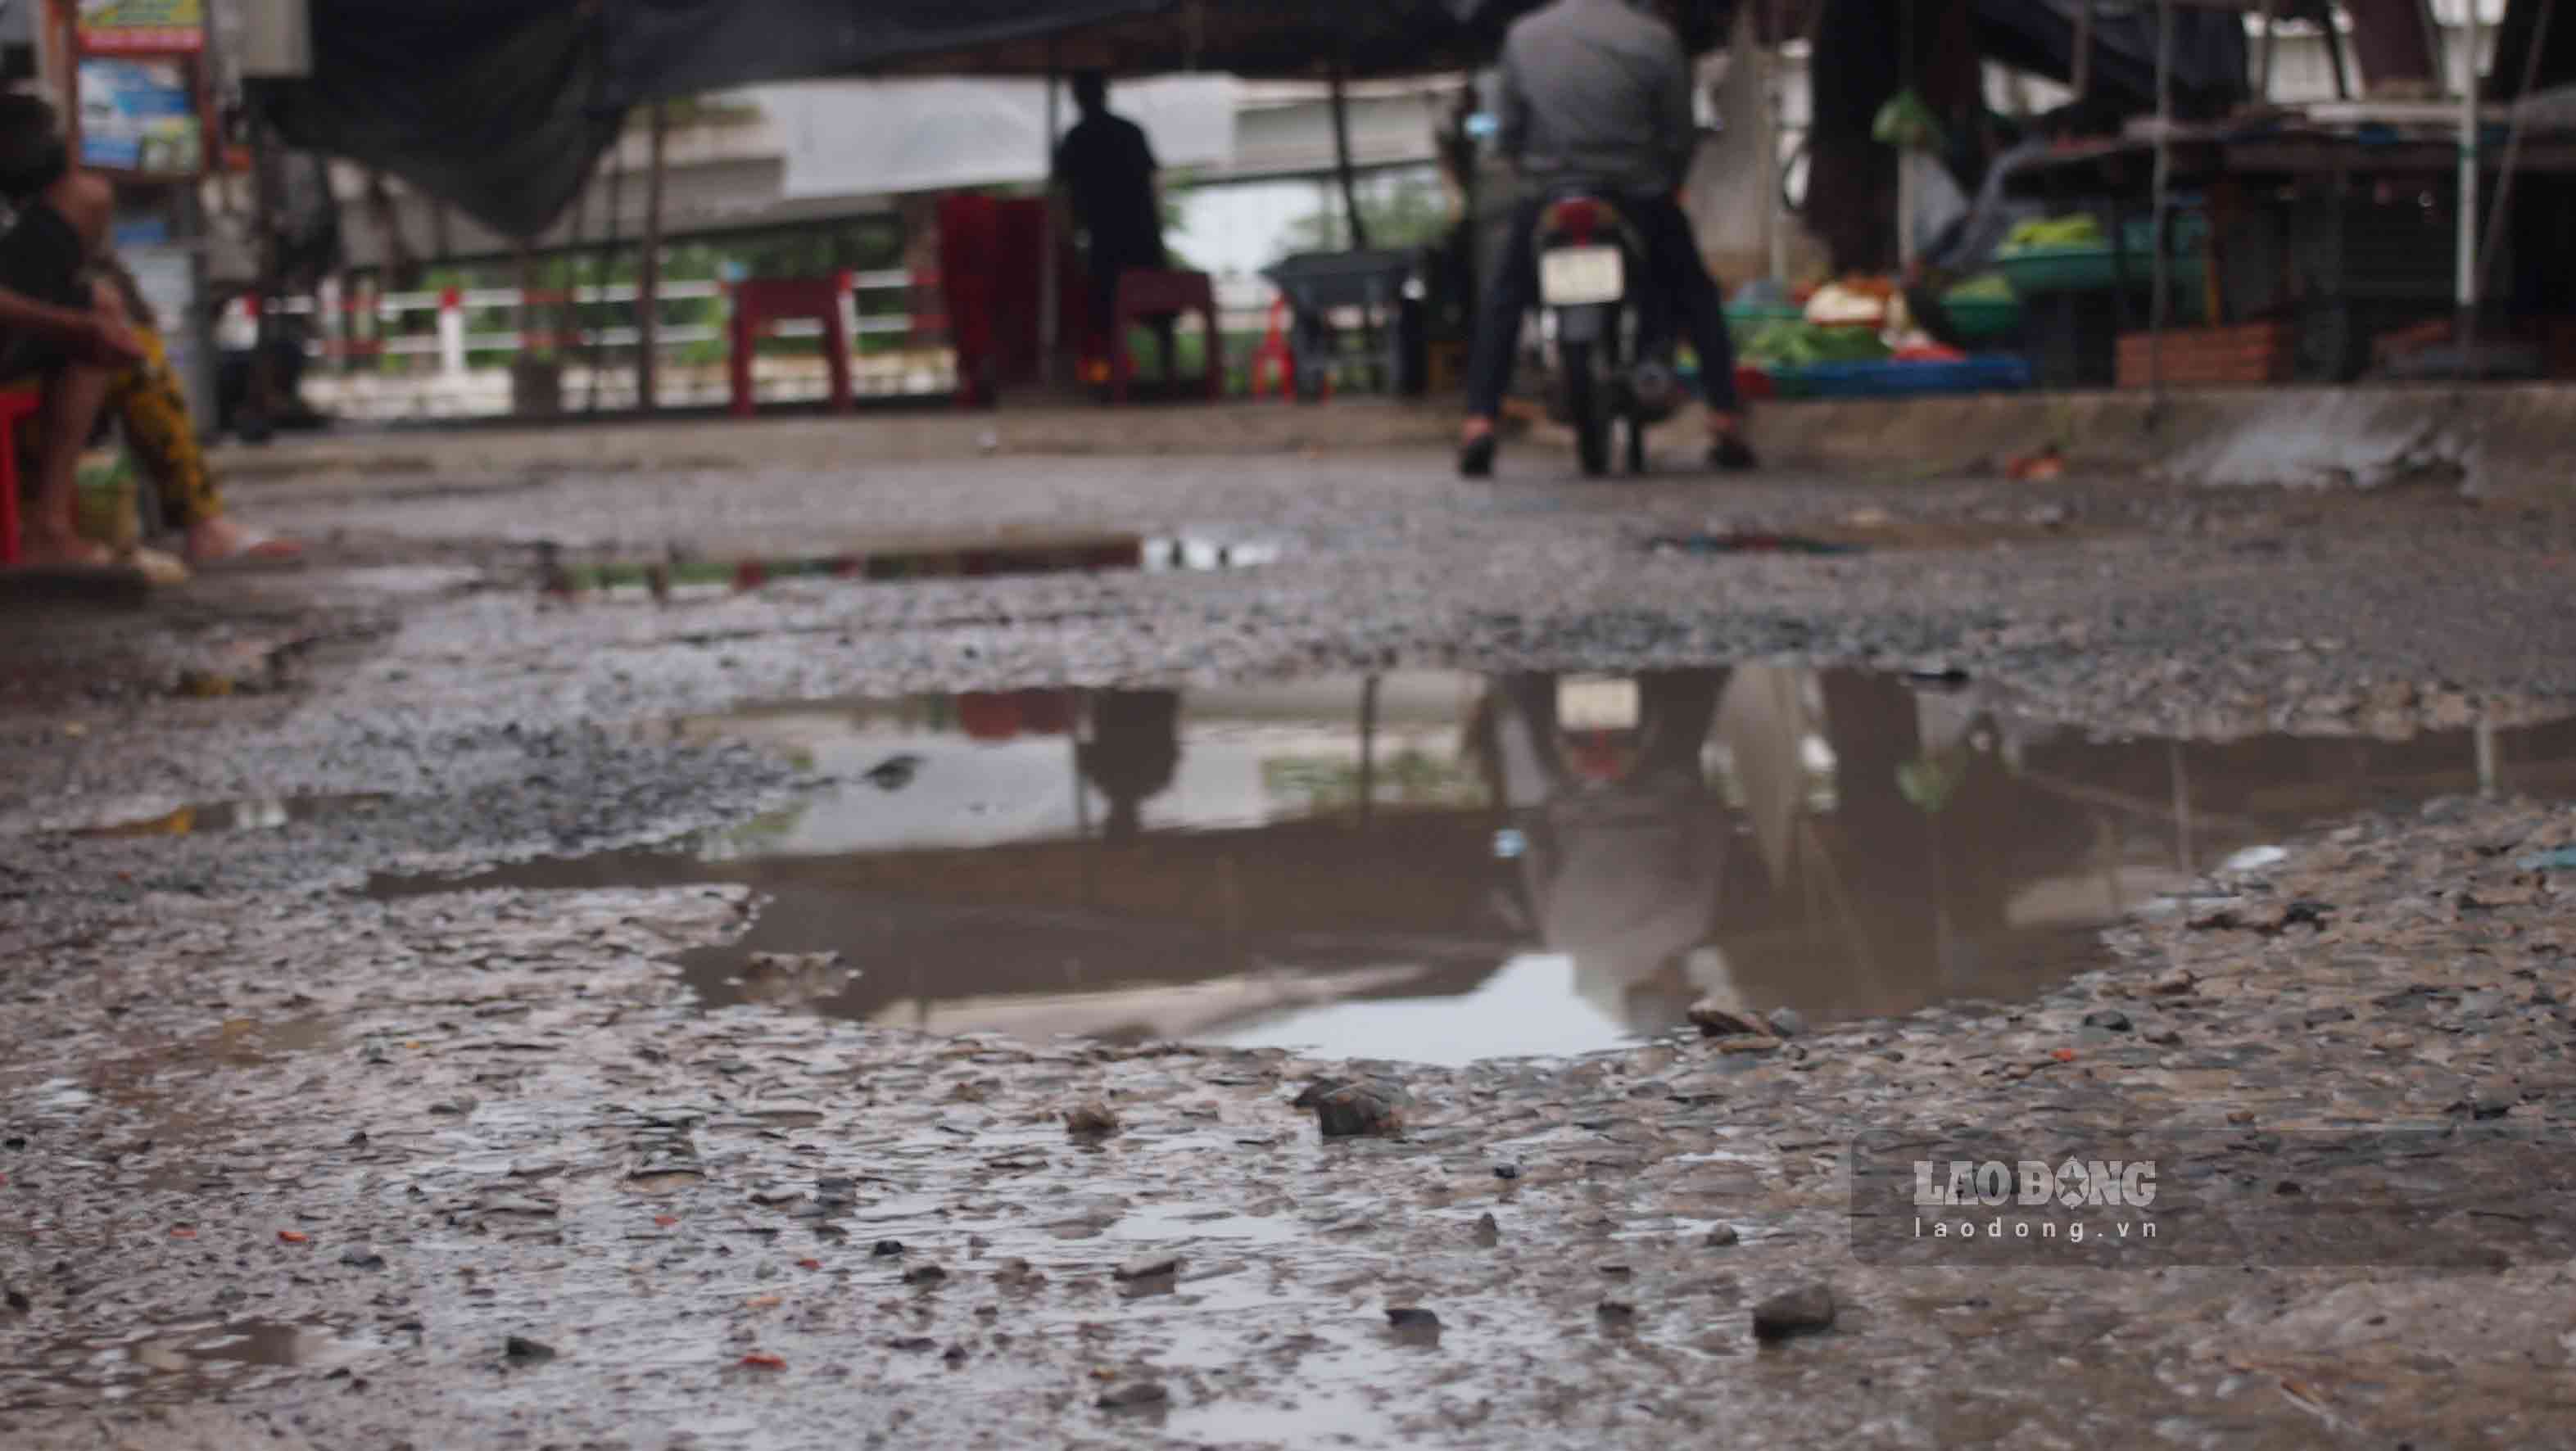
(648, 271)
(2161, 264)
(1342, 156)
(1050, 246)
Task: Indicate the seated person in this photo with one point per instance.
(71, 331)
(147, 401)
(51, 331)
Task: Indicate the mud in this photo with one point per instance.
(287, 1161)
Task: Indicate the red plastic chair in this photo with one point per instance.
(16, 404)
(763, 300)
(1145, 295)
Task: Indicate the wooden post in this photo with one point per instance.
(1051, 246)
(648, 272)
(2082, 77)
(262, 402)
(2466, 246)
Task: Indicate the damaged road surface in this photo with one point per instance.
(509, 1025)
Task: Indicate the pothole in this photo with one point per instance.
(1442, 867)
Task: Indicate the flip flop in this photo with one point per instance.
(160, 569)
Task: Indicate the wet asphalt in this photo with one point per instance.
(301, 1164)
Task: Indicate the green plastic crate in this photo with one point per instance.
(2039, 270)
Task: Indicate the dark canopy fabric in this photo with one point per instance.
(658, 49)
(501, 107)
(485, 103)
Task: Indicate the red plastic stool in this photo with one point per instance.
(763, 300)
(15, 404)
(1144, 295)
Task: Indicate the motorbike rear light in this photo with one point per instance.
(1577, 219)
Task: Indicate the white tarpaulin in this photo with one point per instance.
(846, 138)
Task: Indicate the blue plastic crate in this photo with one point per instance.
(1994, 372)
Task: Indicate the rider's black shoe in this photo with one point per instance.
(1476, 457)
(1731, 454)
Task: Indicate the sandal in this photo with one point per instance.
(260, 552)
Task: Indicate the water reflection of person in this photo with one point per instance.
(1132, 754)
(1621, 871)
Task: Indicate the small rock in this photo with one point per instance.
(2109, 1020)
(1149, 1266)
(519, 1350)
(1748, 1043)
(1714, 1021)
(20, 1303)
(1724, 1235)
(1617, 1312)
(1803, 1311)
(362, 1258)
(1507, 1171)
(1134, 1394)
(1786, 1022)
(2319, 1017)
(1350, 1108)
(924, 1275)
(1412, 1317)
(1091, 1120)
(2173, 984)
(2165, 1038)
(2490, 1101)
(1489, 1233)
(913, 1344)
(887, 1248)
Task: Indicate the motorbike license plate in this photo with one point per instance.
(1578, 276)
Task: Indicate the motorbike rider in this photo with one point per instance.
(1597, 93)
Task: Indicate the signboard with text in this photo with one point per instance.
(142, 27)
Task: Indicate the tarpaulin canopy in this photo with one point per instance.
(2209, 51)
(501, 107)
(658, 49)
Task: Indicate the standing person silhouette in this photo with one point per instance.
(1106, 170)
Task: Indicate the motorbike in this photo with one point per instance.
(1609, 367)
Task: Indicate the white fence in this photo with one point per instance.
(448, 370)
(436, 372)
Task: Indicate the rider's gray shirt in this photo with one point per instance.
(1597, 91)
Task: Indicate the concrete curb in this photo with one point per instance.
(2500, 439)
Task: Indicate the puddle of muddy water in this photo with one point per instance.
(1439, 867)
(188, 1356)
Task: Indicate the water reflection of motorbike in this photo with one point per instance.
(1621, 869)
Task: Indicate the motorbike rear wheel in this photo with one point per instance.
(1586, 407)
